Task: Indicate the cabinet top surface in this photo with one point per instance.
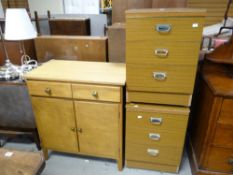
(80, 72)
(160, 12)
(218, 80)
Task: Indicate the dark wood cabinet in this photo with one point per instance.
(211, 125)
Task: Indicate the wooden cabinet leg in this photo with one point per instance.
(120, 164)
(45, 152)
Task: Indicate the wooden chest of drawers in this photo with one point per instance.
(162, 47)
(211, 131)
(78, 107)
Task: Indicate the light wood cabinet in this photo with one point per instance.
(81, 110)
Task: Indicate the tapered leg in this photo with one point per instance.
(45, 152)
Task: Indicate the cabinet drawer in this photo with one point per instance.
(157, 52)
(226, 116)
(153, 154)
(223, 137)
(164, 29)
(160, 78)
(156, 117)
(95, 92)
(50, 89)
(220, 159)
(155, 137)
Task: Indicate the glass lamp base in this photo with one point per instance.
(9, 71)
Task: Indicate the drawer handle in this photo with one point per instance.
(80, 130)
(156, 121)
(95, 94)
(154, 136)
(161, 76)
(153, 152)
(48, 91)
(163, 28)
(161, 52)
(230, 161)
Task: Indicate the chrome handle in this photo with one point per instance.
(80, 130)
(156, 120)
(161, 52)
(48, 91)
(160, 76)
(95, 94)
(163, 28)
(73, 129)
(153, 152)
(230, 161)
(154, 136)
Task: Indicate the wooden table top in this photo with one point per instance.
(14, 162)
(80, 72)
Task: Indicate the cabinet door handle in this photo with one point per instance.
(161, 76)
(162, 53)
(153, 152)
(48, 91)
(80, 130)
(95, 94)
(154, 136)
(163, 28)
(230, 161)
(156, 120)
(73, 129)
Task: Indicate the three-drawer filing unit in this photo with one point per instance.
(162, 47)
(78, 107)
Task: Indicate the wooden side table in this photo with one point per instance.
(14, 162)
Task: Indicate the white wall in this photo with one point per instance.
(41, 6)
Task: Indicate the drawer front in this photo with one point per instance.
(155, 137)
(98, 93)
(223, 137)
(152, 120)
(49, 89)
(164, 29)
(157, 52)
(153, 154)
(220, 159)
(160, 78)
(226, 116)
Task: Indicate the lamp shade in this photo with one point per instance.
(18, 25)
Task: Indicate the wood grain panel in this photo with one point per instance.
(179, 79)
(219, 160)
(168, 3)
(49, 89)
(96, 93)
(215, 9)
(159, 98)
(167, 155)
(223, 137)
(145, 29)
(86, 48)
(226, 116)
(178, 52)
(99, 124)
(55, 120)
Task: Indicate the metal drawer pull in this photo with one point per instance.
(95, 94)
(153, 152)
(154, 136)
(230, 161)
(160, 76)
(156, 121)
(161, 52)
(80, 130)
(163, 28)
(48, 91)
(73, 129)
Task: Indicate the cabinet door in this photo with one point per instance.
(99, 128)
(56, 123)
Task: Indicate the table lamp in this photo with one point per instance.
(18, 27)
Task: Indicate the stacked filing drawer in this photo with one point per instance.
(162, 47)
